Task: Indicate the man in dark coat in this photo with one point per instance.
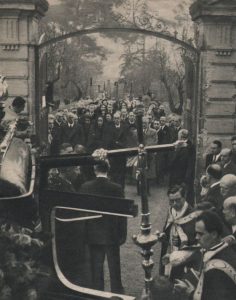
(116, 138)
(95, 138)
(214, 156)
(217, 280)
(86, 124)
(182, 165)
(56, 134)
(71, 132)
(228, 166)
(105, 235)
(174, 127)
(163, 133)
(131, 134)
(233, 144)
(179, 231)
(214, 174)
(131, 121)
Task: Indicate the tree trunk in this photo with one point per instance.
(176, 110)
(78, 89)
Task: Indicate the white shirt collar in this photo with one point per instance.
(178, 214)
(234, 228)
(59, 123)
(101, 176)
(214, 184)
(216, 246)
(227, 164)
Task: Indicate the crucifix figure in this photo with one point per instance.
(53, 200)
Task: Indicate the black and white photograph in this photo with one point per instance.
(117, 149)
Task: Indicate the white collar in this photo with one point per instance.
(101, 176)
(234, 228)
(227, 164)
(214, 184)
(59, 123)
(216, 246)
(179, 214)
(214, 250)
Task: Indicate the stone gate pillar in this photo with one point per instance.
(216, 38)
(19, 23)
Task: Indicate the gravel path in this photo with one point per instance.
(132, 272)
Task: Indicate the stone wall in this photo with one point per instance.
(216, 32)
(19, 22)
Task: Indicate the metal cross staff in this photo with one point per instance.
(145, 239)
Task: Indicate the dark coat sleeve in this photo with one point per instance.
(218, 286)
(208, 160)
(190, 170)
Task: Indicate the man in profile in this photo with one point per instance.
(12, 112)
(228, 166)
(213, 177)
(106, 234)
(228, 186)
(217, 280)
(215, 155)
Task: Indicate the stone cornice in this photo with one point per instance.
(212, 8)
(40, 6)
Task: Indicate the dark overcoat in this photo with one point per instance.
(108, 230)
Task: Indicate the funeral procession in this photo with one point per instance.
(118, 149)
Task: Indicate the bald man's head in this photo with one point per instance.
(228, 185)
(226, 155)
(229, 210)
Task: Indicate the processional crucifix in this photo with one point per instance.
(113, 206)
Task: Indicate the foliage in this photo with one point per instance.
(157, 64)
(20, 263)
(80, 58)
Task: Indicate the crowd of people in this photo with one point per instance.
(198, 242)
(112, 125)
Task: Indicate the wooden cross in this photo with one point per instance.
(50, 200)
